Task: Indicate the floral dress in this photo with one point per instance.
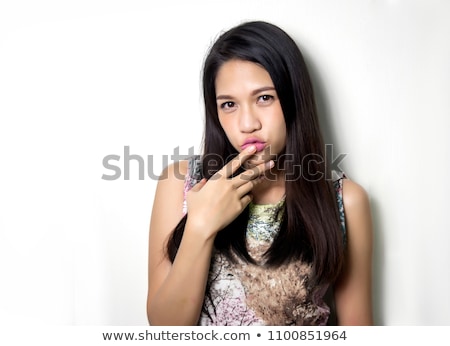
(242, 294)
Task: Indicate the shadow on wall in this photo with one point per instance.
(326, 119)
(378, 263)
(327, 122)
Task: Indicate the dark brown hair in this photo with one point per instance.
(310, 228)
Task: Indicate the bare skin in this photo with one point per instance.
(353, 290)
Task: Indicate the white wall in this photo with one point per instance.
(83, 80)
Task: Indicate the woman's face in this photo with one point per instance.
(249, 108)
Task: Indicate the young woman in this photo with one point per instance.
(256, 232)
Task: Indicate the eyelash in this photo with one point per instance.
(226, 105)
(268, 97)
(230, 104)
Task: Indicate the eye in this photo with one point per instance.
(265, 99)
(227, 105)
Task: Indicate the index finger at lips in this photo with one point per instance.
(256, 171)
(237, 162)
(266, 156)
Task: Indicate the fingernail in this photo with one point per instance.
(251, 148)
(270, 164)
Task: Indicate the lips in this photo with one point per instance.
(259, 144)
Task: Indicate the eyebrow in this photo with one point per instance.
(254, 92)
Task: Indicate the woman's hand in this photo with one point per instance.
(213, 204)
(261, 157)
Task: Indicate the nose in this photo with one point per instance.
(249, 120)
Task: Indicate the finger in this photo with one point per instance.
(236, 162)
(252, 163)
(253, 173)
(259, 158)
(244, 189)
(245, 200)
(199, 185)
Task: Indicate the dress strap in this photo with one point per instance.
(338, 183)
(193, 176)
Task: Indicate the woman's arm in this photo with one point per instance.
(353, 290)
(176, 290)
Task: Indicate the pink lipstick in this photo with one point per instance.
(259, 144)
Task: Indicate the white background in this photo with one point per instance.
(80, 80)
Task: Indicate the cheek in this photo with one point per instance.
(226, 126)
(281, 130)
(280, 125)
(223, 123)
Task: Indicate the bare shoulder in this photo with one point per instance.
(354, 195)
(168, 201)
(353, 288)
(170, 185)
(358, 216)
(166, 212)
(171, 181)
(174, 173)
(357, 213)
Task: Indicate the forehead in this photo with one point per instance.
(238, 74)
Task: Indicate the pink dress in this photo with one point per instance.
(241, 293)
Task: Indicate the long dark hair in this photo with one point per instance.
(310, 229)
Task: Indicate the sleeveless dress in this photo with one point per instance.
(243, 294)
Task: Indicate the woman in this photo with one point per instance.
(265, 235)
